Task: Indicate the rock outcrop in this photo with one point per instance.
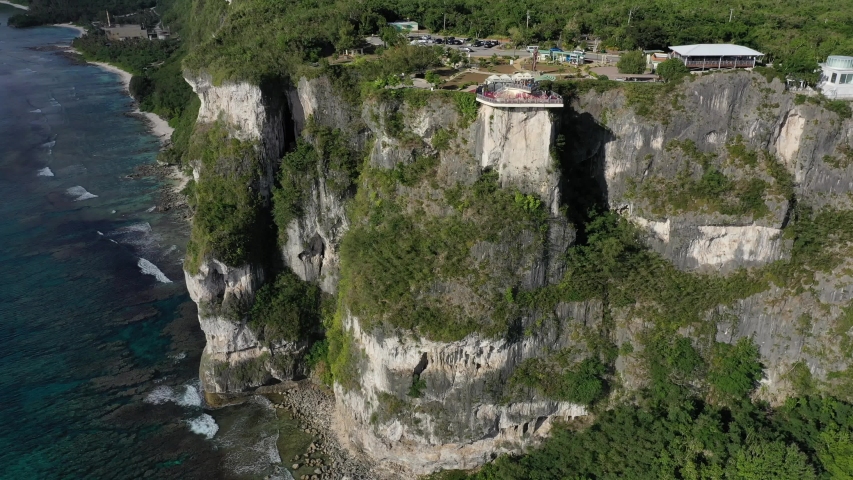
(234, 359)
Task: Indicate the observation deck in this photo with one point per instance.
(518, 91)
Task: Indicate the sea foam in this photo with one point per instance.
(80, 193)
(149, 268)
(204, 425)
(185, 396)
(45, 172)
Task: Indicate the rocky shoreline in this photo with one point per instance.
(171, 198)
(325, 459)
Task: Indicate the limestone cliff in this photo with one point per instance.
(443, 229)
(740, 125)
(234, 358)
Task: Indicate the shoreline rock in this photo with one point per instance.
(171, 197)
(312, 407)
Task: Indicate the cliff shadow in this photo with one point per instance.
(580, 152)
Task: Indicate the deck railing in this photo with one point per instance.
(520, 101)
(719, 64)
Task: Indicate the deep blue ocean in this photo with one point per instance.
(99, 342)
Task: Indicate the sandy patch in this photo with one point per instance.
(7, 2)
(180, 179)
(159, 126)
(80, 30)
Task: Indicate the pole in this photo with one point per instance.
(630, 14)
(528, 19)
(731, 12)
(445, 23)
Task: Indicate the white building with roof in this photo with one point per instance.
(836, 79)
(709, 56)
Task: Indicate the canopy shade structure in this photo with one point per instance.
(715, 50)
(716, 56)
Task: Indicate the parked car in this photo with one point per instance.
(466, 49)
(439, 41)
(478, 43)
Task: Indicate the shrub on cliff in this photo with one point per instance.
(672, 70)
(734, 370)
(632, 62)
(228, 221)
(286, 309)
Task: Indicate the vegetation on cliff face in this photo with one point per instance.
(228, 221)
(408, 260)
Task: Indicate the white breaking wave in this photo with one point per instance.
(45, 172)
(38, 110)
(151, 209)
(177, 357)
(188, 396)
(143, 227)
(140, 236)
(149, 268)
(80, 193)
(49, 144)
(204, 425)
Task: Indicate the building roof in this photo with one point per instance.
(714, 50)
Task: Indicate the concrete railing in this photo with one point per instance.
(520, 101)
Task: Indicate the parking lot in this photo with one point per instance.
(468, 45)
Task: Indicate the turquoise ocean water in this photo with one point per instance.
(99, 343)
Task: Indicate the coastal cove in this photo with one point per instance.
(100, 343)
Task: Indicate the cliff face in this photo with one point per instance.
(456, 217)
(741, 126)
(731, 121)
(234, 358)
(460, 420)
(310, 249)
(426, 404)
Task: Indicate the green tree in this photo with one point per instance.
(801, 65)
(517, 36)
(835, 452)
(735, 369)
(672, 69)
(432, 77)
(633, 62)
(391, 36)
(766, 460)
(347, 38)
